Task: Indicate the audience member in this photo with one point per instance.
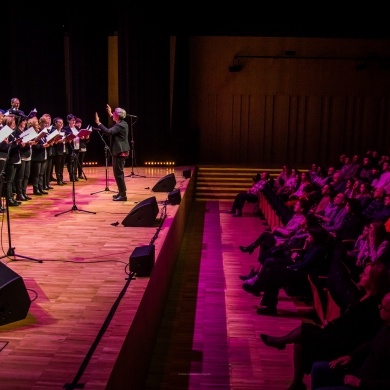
(283, 176)
(363, 194)
(279, 234)
(337, 216)
(364, 173)
(365, 367)
(382, 214)
(350, 189)
(290, 185)
(384, 178)
(281, 254)
(341, 161)
(313, 260)
(351, 224)
(358, 324)
(313, 171)
(305, 181)
(376, 204)
(372, 245)
(250, 195)
(338, 182)
(327, 195)
(350, 167)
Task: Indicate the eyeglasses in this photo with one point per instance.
(380, 307)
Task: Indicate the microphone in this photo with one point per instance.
(132, 116)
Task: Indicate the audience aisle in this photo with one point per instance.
(209, 335)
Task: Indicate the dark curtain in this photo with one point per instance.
(32, 64)
(86, 57)
(144, 84)
(185, 138)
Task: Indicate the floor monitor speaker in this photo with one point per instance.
(165, 184)
(142, 260)
(14, 299)
(174, 197)
(187, 173)
(143, 214)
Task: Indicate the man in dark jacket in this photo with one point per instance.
(119, 147)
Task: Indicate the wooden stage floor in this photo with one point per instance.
(83, 269)
(209, 335)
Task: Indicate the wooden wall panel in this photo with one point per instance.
(255, 139)
(288, 110)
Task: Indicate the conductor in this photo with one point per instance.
(119, 147)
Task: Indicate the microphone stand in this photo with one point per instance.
(74, 172)
(11, 250)
(132, 174)
(106, 151)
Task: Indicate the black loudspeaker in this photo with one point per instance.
(143, 214)
(14, 299)
(142, 260)
(165, 184)
(187, 173)
(174, 197)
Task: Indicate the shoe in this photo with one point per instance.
(64, 182)
(247, 249)
(13, 202)
(53, 179)
(251, 286)
(27, 197)
(267, 311)
(2, 210)
(20, 197)
(231, 212)
(252, 281)
(237, 214)
(251, 289)
(120, 198)
(269, 342)
(60, 183)
(249, 276)
(76, 179)
(49, 188)
(43, 192)
(115, 196)
(37, 192)
(80, 177)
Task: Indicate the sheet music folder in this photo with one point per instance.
(5, 132)
(85, 132)
(28, 135)
(53, 135)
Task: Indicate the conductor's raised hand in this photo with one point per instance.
(97, 119)
(109, 111)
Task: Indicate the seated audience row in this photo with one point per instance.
(348, 203)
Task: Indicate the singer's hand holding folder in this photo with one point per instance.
(28, 135)
(85, 132)
(5, 132)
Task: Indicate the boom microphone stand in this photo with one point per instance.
(74, 172)
(132, 174)
(11, 250)
(106, 151)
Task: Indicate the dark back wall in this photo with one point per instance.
(332, 97)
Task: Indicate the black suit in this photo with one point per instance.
(120, 147)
